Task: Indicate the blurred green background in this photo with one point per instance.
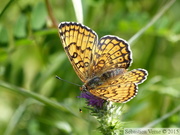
(31, 54)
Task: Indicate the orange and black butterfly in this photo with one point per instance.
(101, 65)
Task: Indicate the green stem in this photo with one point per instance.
(150, 125)
(6, 7)
(50, 13)
(153, 20)
(77, 4)
(17, 116)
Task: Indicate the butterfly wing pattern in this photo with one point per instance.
(101, 66)
(78, 42)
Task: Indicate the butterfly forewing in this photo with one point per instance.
(110, 53)
(78, 41)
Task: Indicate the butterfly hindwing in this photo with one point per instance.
(123, 88)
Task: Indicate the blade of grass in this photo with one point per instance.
(152, 124)
(153, 20)
(17, 116)
(6, 7)
(77, 4)
(37, 97)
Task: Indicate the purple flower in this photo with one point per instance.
(92, 100)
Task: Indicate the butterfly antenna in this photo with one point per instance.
(67, 81)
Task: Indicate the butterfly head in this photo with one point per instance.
(83, 88)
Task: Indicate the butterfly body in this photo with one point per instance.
(101, 65)
(106, 77)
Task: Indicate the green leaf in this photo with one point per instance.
(20, 27)
(39, 16)
(3, 35)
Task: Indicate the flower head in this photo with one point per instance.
(92, 100)
(107, 114)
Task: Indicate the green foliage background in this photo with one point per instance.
(31, 55)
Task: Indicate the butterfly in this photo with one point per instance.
(101, 65)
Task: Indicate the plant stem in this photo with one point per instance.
(153, 20)
(49, 9)
(150, 125)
